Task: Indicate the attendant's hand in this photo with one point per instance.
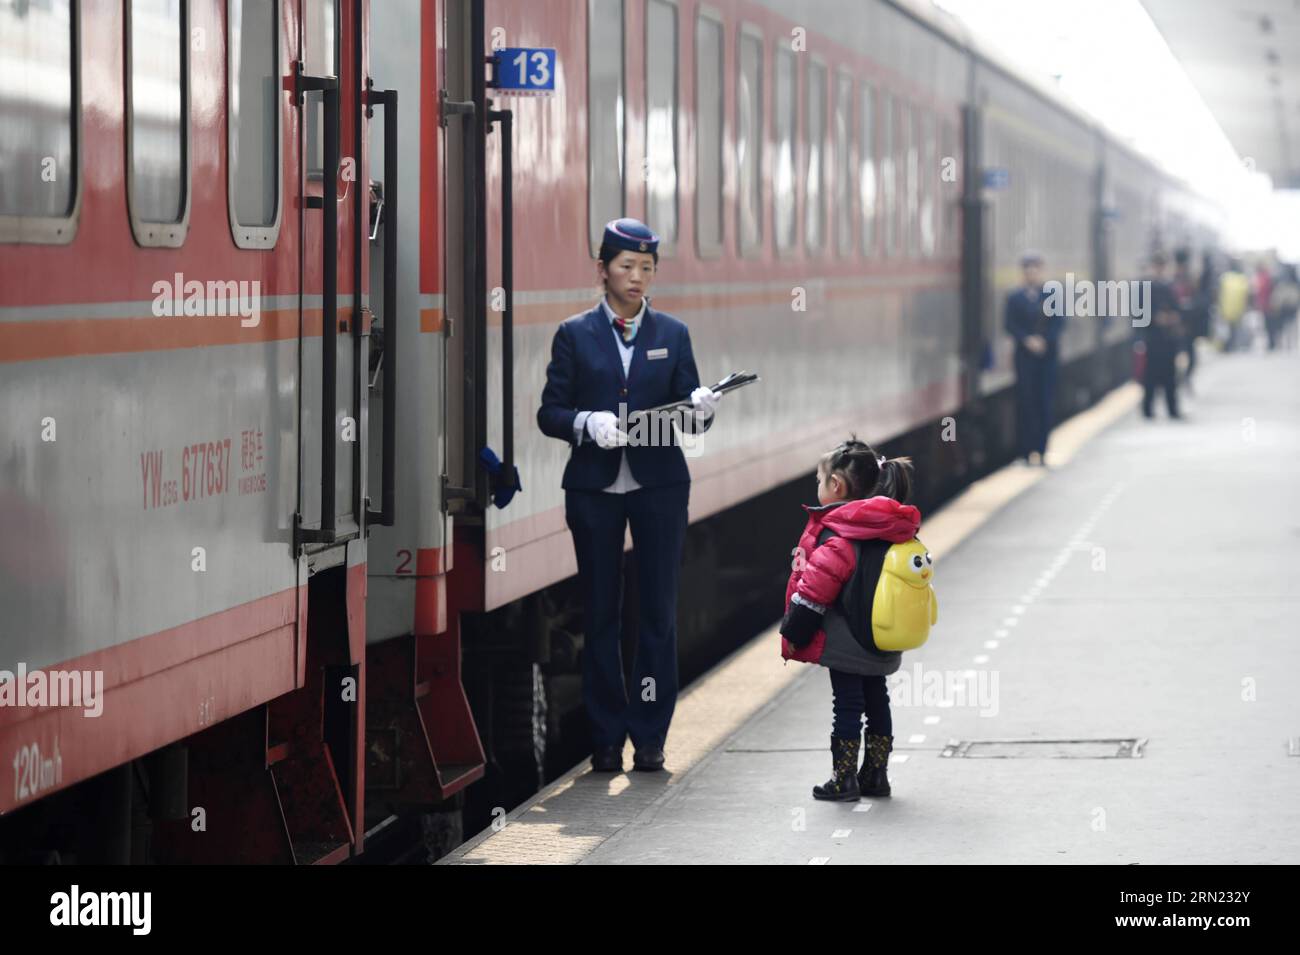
(1036, 344)
(603, 428)
(704, 401)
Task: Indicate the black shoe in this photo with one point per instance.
(607, 759)
(843, 786)
(873, 778)
(873, 781)
(648, 759)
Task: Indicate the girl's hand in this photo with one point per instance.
(800, 625)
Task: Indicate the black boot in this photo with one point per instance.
(843, 786)
(873, 780)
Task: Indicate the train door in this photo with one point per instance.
(330, 523)
(333, 313)
(422, 745)
(464, 274)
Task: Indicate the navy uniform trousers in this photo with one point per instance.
(1035, 396)
(597, 520)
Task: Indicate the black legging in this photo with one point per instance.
(856, 696)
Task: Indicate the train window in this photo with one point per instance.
(949, 190)
(320, 58)
(708, 137)
(888, 177)
(815, 141)
(39, 181)
(749, 138)
(911, 178)
(157, 127)
(902, 135)
(661, 120)
(783, 185)
(606, 198)
(843, 169)
(929, 183)
(867, 176)
(253, 104)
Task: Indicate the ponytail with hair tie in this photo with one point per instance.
(852, 460)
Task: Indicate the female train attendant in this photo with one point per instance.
(620, 357)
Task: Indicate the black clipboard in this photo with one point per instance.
(733, 382)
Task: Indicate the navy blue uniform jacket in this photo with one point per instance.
(586, 374)
(1026, 316)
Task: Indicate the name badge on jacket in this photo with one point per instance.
(654, 353)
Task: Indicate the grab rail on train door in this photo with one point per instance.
(505, 480)
(388, 100)
(467, 112)
(328, 86)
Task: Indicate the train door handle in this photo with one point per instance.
(388, 100)
(505, 479)
(328, 86)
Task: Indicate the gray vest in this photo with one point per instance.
(850, 647)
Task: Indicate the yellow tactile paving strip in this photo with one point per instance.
(565, 822)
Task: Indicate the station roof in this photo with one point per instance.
(1243, 56)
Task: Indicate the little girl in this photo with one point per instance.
(861, 497)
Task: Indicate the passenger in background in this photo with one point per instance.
(1162, 337)
(1036, 336)
(1193, 309)
(1209, 282)
(1234, 296)
(1286, 301)
(1261, 293)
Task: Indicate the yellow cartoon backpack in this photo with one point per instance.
(889, 599)
(905, 607)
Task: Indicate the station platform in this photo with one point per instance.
(1113, 677)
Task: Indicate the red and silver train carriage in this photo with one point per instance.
(283, 554)
(184, 345)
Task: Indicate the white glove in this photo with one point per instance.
(603, 427)
(704, 401)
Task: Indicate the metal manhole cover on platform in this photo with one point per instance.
(1045, 749)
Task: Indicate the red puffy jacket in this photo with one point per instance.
(820, 572)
